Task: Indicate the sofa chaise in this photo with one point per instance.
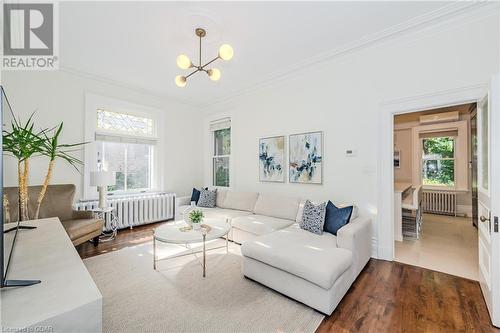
(316, 270)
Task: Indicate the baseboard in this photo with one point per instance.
(464, 209)
(374, 248)
(385, 253)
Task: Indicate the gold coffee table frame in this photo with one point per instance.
(171, 233)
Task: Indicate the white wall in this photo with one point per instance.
(343, 97)
(60, 96)
(403, 143)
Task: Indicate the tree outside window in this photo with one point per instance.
(438, 161)
(222, 151)
(131, 162)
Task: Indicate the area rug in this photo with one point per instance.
(176, 298)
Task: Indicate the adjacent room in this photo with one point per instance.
(435, 182)
(221, 166)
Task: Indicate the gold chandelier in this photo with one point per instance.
(183, 62)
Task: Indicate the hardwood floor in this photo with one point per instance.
(386, 297)
(125, 237)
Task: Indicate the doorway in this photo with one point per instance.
(488, 158)
(433, 180)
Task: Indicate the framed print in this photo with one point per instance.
(306, 158)
(272, 159)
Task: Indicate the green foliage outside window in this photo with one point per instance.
(438, 166)
(222, 142)
(222, 150)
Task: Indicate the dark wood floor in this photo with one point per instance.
(386, 297)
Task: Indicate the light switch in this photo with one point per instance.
(350, 152)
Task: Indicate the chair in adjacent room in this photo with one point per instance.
(412, 213)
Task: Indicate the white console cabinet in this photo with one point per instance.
(67, 300)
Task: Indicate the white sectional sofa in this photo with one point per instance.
(316, 270)
(251, 214)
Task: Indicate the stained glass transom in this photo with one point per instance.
(124, 123)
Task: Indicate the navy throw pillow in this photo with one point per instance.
(195, 195)
(336, 217)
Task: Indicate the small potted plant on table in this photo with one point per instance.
(196, 217)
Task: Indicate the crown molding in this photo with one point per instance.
(133, 87)
(453, 11)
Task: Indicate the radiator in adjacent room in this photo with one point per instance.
(439, 202)
(138, 209)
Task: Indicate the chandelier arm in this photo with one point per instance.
(192, 73)
(211, 61)
(200, 53)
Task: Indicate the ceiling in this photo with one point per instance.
(136, 43)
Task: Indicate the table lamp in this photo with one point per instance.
(102, 179)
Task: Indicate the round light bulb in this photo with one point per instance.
(180, 81)
(226, 52)
(183, 62)
(214, 74)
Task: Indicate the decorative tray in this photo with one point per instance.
(206, 228)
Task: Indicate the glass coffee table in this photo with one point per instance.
(176, 233)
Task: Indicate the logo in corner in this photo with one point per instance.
(30, 36)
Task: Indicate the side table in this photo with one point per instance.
(102, 213)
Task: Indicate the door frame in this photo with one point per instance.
(475, 217)
(387, 111)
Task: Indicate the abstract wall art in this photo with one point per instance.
(272, 159)
(306, 158)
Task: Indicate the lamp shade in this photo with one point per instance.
(102, 178)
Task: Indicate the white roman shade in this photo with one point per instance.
(439, 134)
(124, 139)
(220, 124)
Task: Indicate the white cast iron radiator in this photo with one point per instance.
(133, 210)
(439, 202)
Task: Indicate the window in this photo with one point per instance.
(132, 163)
(222, 151)
(438, 161)
(125, 145)
(124, 123)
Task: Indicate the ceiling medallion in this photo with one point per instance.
(183, 62)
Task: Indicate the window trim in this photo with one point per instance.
(95, 102)
(454, 159)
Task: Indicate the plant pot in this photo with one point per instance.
(196, 226)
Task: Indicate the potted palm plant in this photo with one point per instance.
(23, 142)
(53, 149)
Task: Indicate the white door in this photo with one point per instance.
(488, 127)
